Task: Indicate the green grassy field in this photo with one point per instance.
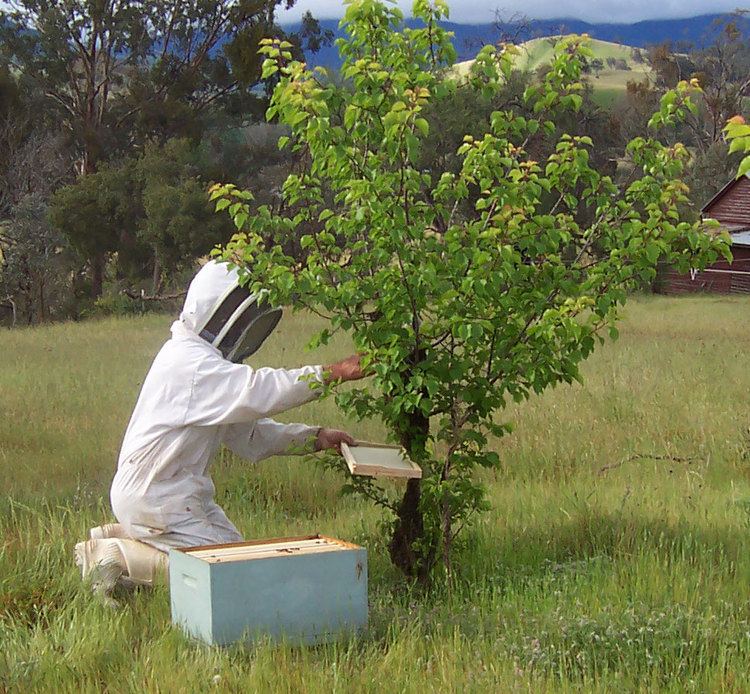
(631, 578)
(609, 83)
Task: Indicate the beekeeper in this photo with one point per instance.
(197, 396)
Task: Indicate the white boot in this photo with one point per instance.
(111, 561)
(144, 564)
(101, 562)
(101, 532)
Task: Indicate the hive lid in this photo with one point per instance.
(266, 549)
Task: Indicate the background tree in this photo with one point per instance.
(33, 258)
(177, 221)
(34, 160)
(114, 71)
(92, 213)
(33, 155)
(721, 68)
(723, 72)
(151, 209)
(669, 66)
(458, 309)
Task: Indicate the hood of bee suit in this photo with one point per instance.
(227, 315)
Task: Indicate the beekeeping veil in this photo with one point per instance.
(227, 315)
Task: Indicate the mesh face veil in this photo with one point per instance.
(228, 316)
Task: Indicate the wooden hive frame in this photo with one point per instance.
(379, 460)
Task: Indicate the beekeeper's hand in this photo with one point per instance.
(349, 369)
(331, 438)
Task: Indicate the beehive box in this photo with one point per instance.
(302, 589)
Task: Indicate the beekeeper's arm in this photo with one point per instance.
(266, 437)
(227, 393)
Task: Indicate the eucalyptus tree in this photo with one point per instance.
(115, 72)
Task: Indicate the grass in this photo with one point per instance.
(634, 578)
(609, 84)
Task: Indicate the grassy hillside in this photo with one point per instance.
(595, 570)
(609, 83)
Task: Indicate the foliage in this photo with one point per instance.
(738, 133)
(176, 221)
(147, 67)
(92, 213)
(110, 304)
(34, 157)
(721, 68)
(150, 210)
(723, 71)
(114, 75)
(710, 171)
(33, 260)
(458, 313)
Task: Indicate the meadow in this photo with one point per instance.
(616, 556)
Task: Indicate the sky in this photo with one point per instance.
(598, 11)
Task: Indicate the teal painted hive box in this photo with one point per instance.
(302, 589)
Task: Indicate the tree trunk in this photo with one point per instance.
(157, 277)
(97, 275)
(88, 166)
(413, 559)
(42, 301)
(408, 529)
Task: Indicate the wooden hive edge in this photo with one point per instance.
(248, 543)
(277, 547)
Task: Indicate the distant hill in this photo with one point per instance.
(618, 65)
(470, 37)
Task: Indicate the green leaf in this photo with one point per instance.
(240, 219)
(652, 252)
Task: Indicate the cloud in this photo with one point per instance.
(599, 11)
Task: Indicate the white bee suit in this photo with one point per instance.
(192, 401)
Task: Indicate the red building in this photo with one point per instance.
(731, 208)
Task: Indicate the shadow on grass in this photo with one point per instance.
(593, 537)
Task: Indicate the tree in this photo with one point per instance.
(669, 67)
(636, 108)
(111, 71)
(597, 66)
(721, 68)
(151, 209)
(723, 71)
(512, 27)
(33, 161)
(177, 221)
(89, 214)
(101, 64)
(32, 263)
(458, 308)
